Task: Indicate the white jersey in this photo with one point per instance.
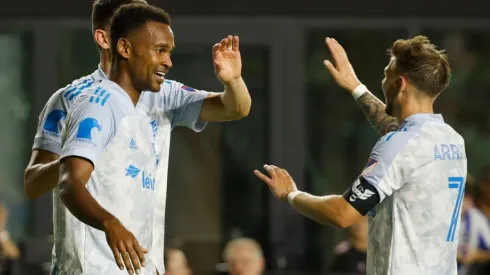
(105, 128)
(419, 172)
(175, 105)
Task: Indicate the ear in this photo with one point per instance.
(101, 37)
(123, 48)
(403, 83)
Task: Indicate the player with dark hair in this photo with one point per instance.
(413, 183)
(174, 105)
(42, 172)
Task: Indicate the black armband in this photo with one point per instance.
(363, 196)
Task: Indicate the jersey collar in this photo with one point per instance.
(99, 74)
(420, 119)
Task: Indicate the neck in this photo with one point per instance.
(105, 61)
(121, 76)
(419, 104)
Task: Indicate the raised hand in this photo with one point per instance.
(342, 72)
(227, 61)
(124, 244)
(279, 181)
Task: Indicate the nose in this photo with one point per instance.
(167, 62)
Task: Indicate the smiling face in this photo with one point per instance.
(149, 58)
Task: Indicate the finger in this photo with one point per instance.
(262, 177)
(331, 68)
(126, 259)
(133, 255)
(339, 49)
(236, 42)
(117, 257)
(271, 171)
(229, 42)
(285, 172)
(277, 170)
(332, 46)
(222, 45)
(140, 252)
(215, 49)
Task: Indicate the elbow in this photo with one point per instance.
(241, 111)
(65, 190)
(239, 114)
(341, 223)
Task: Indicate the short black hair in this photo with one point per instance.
(134, 16)
(103, 10)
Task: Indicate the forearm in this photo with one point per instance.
(236, 98)
(374, 110)
(483, 256)
(82, 205)
(325, 210)
(41, 178)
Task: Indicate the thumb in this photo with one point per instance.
(145, 250)
(331, 68)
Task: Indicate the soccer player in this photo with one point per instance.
(175, 105)
(412, 185)
(106, 144)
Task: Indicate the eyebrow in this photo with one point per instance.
(165, 45)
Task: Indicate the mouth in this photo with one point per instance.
(160, 76)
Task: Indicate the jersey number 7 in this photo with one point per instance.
(455, 183)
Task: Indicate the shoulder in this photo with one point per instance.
(65, 96)
(395, 142)
(73, 90)
(97, 98)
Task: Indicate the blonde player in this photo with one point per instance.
(413, 183)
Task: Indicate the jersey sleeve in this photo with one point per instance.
(90, 126)
(390, 164)
(184, 104)
(51, 121)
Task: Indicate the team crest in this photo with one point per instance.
(370, 166)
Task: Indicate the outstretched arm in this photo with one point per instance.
(334, 209)
(345, 76)
(234, 102)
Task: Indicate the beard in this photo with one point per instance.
(389, 109)
(391, 94)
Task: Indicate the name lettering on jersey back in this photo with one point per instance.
(448, 151)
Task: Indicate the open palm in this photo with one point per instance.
(227, 61)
